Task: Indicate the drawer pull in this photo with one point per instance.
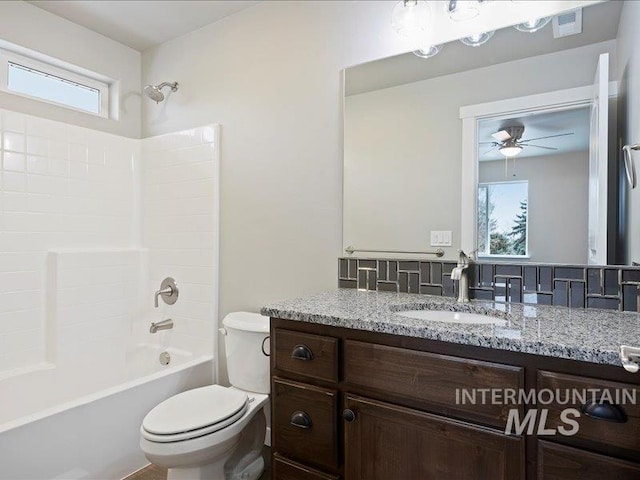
(604, 411)
(302, 352)
(349, 415)
(301, 420)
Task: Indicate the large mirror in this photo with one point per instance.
(512, 148)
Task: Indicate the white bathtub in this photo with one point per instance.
(66, 424)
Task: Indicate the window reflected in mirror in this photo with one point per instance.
(502, 219)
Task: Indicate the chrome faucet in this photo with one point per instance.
(163, 325)
(460, 273)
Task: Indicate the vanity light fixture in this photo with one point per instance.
(428, 51)
(477, 39)
(533, 25)
(462, 10)
(410, 18)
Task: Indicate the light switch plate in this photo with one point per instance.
(441, 238)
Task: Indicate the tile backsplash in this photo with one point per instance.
(579, 286)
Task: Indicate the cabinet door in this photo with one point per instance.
(385, 442)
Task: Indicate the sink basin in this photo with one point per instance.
(453, 317)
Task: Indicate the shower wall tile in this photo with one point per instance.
(61, 186)
(93, 296)
(71, 192)
(576, 286)
(180, 217)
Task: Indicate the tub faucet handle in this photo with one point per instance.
(168, 292)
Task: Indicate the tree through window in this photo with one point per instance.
(503, 218)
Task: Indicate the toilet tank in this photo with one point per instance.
(245, 336)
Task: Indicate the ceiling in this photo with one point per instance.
(541, 125)
(143, 24)
(599, 22)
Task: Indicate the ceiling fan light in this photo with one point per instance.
(462, 10)
(428, 52)
(410, 18)
(477, 39)
(533, 26)
(510, 150)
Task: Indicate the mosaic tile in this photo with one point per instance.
(609, 288)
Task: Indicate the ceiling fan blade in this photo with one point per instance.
(536, 146)
(549, 136)
(495, 144)
(501, 136)
(491, 150)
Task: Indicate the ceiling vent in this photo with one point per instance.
(567, 24)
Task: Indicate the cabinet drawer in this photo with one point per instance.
(608, 433)
(313, 356)
(431, 378)
(557, 462)
(285, 469)
(305, 422)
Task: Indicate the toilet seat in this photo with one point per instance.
(194, 413)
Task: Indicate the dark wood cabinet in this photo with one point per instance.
(286, 469)
(428, 377)
(624, 434)
(356, 405)
(558, 462)
(306, 419)
(386, 441)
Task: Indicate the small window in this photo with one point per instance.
(35, 79)
(503, 219)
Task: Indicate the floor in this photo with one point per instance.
(156, 473)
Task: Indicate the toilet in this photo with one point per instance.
(216, 432)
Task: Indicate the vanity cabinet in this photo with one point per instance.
(383, 441)
(356, 405)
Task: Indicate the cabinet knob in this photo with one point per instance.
(604, 410)
(302, 352)
(349, 415)
(301, 420)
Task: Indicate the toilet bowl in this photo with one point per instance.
(216, 432)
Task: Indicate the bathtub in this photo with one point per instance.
(82, 422)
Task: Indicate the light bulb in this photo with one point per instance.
(461, 10)
(428, 51)
(410, 19)
(477, 39)
(533, 25)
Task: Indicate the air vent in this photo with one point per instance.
(567, 24)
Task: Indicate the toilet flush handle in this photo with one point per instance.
(223, 331)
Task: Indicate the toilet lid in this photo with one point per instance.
(194, 410)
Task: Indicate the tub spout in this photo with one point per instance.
(163, 325)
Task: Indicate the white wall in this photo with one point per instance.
(558, 194)
(403, 146)
(36, 29)
(629, 62)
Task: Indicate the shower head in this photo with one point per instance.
(154, 92)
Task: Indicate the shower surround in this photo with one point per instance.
(90, 223)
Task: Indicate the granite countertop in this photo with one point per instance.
(579, 334)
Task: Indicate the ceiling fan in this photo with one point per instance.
(509, 141)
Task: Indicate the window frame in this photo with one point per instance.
(7, 57)
(488, 239)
